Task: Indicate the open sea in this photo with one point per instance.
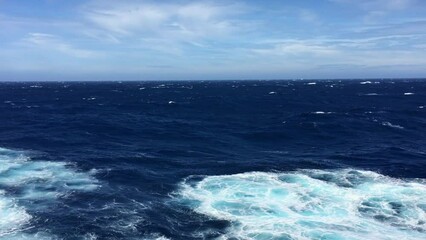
(287, 160)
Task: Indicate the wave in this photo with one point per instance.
(388, 124)
(311, 204)
(30, 186)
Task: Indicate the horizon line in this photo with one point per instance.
(225, 80)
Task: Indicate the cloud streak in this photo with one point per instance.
(379, 9)
(379, 5)
(49, 42)
(180, 22)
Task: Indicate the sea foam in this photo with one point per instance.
(311, 204)
(27, 185)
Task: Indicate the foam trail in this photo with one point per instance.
(27, 185)
(312, 204)
(12, 217)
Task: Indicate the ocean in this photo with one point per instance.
(329, 160)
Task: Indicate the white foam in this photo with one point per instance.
(408, 93)
(34, 182)
(388, 124)
(321, 112)
(12, 217)
(311, 204)
(365, 82)
(312, 83)
(156, 237)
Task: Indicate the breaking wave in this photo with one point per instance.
(311, 204)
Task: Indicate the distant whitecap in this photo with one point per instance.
(388, 124)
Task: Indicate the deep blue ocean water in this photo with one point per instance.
(213, 160)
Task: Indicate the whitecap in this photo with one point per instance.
(90, 236)
(156, 237)
(365, 82)
(311, 204)
(321, 112)
(24, 236)
(271, 93)
(35, 185)
(388, 124)
(408, 93)
(160, 86)
(12, 216)
(312, 83)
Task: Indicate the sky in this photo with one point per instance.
(66, 40)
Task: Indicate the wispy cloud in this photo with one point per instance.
(378, 9)
(49, 42)
(309, 16)
(372, 52)
(329, 45)
(296, 48)
(383, 5)
(408, 28)
(179, 22)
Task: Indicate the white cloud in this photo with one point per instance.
(372, 52)
(377, 5)
(389, 5)
(126, 20)
(297, 47)
(50, 42)
(179, 22)
(378, 9)
(308, 16)
(333, 45)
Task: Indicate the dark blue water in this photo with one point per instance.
(206, 160)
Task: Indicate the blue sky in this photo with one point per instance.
(264, 39)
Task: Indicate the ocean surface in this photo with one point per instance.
(233, 160)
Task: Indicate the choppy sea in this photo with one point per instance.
(234, 160)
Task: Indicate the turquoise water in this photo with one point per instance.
(312, 204)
